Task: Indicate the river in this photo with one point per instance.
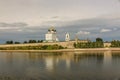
(100, 65)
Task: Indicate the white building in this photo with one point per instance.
(51, 35)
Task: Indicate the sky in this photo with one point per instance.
(22, 20)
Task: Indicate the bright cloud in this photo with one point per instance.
(105, 30)
(83, 33)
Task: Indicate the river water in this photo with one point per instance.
(60, 66)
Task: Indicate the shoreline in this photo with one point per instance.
(66, 50)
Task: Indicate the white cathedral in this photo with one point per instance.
(51, 35)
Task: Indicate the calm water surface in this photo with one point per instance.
(60, 66)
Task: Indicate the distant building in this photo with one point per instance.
(51, 35)
(67, 37)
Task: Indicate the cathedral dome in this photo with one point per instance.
(52, 29)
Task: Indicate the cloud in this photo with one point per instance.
(19, 24)
(13, 27)
(83, 33)
(8, 28)
(105, 30)
(89, 28)
(114, 29)
(54, 17)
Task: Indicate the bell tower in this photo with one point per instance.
(67, 37)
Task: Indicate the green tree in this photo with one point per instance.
(25, 42)
(40, 41)
(9, 42)
(32, 41)
(99, 40)
(98, 44)
(115, 43)
(17, 42)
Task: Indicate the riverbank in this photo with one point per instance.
(66, 50)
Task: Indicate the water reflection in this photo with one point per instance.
(9, 57)
(56, 66)
(107, 58)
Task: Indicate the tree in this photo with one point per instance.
(89, 44)
(9, 42)
(32, 41)
(17, 42)
(25, 42)
(74, 45)
(115, 43)
(99, 43)
(40, 41)
(99, 40)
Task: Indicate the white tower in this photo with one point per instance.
(67, 37)
(51, 36)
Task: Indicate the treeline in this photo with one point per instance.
(97, 44)
(115, 43)
(29, 41)
(39, 47)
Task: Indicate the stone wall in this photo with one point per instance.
(69, 44)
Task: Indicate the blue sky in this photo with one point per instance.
(29, 19)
